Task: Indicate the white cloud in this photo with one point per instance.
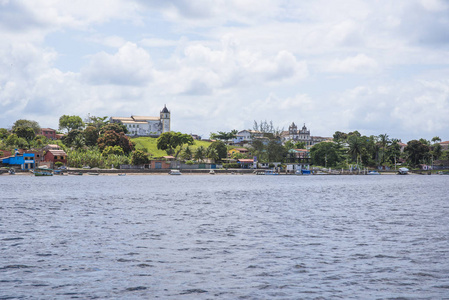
(131, 65)
(357, 64)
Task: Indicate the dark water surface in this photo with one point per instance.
(224, 237)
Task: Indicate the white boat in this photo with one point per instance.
(403, 171)
(212, 172)
(122, 174)
(174, 172)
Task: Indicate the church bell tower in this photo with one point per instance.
(165, 119)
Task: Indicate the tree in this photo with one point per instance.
(117, 150)
(90, 135)
(267, 129)
(27, 123)
(25, 132)
(173, 141)
(384, 142)
(212, 154)
(355, 143)
(224, 136)
(437, 150)
(97, 122)
(3, 133)
(275, 151)
(200, 153)
(116, 127)
(70, 138)
(416, 152)
(112, 138)
(139, 157)
(220, 148)
(340, 137)
(436, 139)
(186, 153)
(326, 154)
(70, 123)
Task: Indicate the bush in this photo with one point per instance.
(190, 162)
(59, 164)
(231, 166)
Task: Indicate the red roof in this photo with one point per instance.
(246, 160)
(446, 142)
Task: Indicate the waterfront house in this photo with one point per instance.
(246, 163)
(54, 156)
(25, 161)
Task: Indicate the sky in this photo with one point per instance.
(376, 66)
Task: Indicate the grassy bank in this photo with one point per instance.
(150, 145)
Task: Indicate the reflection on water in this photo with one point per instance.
(224, 237)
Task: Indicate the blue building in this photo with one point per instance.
(25, 161)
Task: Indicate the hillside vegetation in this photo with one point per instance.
(149, 145)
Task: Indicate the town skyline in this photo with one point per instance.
(335, 66)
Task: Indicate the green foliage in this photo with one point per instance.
(173, 142)
(3, 133)
(70, 123)
(139, 157)
(27, 123)
(189, 162)
(417, 152)
(275, 151)
(11, 140)
(186, 153)
(200, 153)
(340, 137)
(109, 150)
(111, 138)
(326, 154)
(74, 135)
(25, 132)
(93, 158)
(231, 166)
(224, 136)
(59, 164)
(116, 127)
(90, 135)
(96, 122)
(220, 149)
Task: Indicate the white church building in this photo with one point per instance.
(145, 126)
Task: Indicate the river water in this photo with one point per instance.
(224, 237)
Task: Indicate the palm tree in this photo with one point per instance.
(200, 153)
(384, 142)
(355, 147)
(212, 154)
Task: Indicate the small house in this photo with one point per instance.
(54, 156)
(25, 161)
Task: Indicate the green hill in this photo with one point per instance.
(150, 145)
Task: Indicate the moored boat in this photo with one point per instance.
(43, 172)
(373, 173)
(403, 171)
(174, 172)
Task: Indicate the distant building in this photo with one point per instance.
(48, 133)
(302, 135)
(145, 126)
(445, 145)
